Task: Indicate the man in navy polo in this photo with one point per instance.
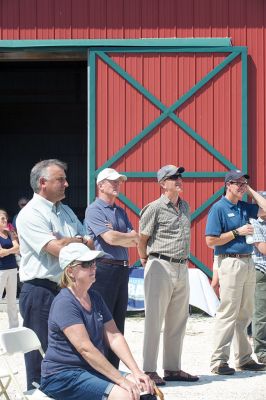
(226, 231)
(109, 226)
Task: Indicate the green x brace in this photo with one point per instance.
(168, 112)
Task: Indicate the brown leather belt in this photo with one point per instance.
(170, 259)
(111, 261)
(233, 255)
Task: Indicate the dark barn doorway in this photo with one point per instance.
(43, 114)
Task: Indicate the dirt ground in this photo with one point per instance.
(196, 356)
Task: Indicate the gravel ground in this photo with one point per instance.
(196, 356)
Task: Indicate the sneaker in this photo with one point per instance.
(252, 366)
(156, 378)
(262, 359)
(223, 369)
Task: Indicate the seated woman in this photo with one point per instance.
(80, 328)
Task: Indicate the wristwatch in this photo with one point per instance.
(235, 233)
(84, 239)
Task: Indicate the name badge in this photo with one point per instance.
(231, 215)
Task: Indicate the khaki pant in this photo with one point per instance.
(8, 281)
(237, 280)
(166, 289)
(259, 318)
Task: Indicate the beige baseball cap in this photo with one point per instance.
(110, 173)
(77, 252)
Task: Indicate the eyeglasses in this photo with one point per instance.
(239, 184)
(85, 264)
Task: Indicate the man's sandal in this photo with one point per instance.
(179, 376)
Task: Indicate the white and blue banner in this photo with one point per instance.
(202, 294)
(136, 289)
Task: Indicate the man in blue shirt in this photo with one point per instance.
(226, 230)
(109, 226)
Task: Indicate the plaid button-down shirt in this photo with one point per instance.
(259, 235)
(168, 228)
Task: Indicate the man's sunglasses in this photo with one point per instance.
(239, 184)
(85, 264)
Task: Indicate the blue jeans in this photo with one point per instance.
(34, 304)
(112, 284)
(76, 384)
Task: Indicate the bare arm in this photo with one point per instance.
(226, 237)
(261, 246)
(115, 238)
(54, 246)
(13, 250)
(119, 346)
(259, 199)
(142, 248)
(80, 339)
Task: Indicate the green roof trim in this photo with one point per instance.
(165, 42)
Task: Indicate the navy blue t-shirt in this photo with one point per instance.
(66, 311)
(97, 215)
(224, 216)
(7, 262)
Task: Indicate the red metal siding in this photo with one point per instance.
(124, 112)
(215, 114)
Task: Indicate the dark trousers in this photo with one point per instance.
(34, 304)
(112, 284)
(259, 316)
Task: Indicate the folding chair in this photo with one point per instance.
(4, 376)
(19, 340)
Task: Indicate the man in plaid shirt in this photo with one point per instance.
(259, 257)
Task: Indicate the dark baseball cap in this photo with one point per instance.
(169, 170)
(234, 175)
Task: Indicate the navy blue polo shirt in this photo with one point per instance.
(7, 262)
(97, 215)
(224, 216)
(66, 311)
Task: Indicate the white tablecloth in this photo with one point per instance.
(202, 295)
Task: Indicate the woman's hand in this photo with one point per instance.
(143, 381)
(3, 252)
(131, 387)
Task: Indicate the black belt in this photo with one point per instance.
(122, 263)
(233, 255)
(46, 283)
(170, 259)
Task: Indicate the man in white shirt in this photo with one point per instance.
(44, 225)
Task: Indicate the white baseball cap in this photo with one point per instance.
(77, 252)
(110, 173)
